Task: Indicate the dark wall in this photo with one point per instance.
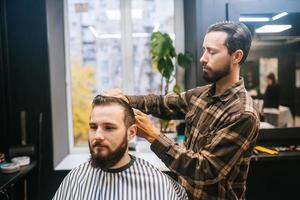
(191, 42)
(27, 66)
(25, 85)
(297, 99)
(273, 179)
(3, 85)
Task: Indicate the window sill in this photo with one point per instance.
(143, 151)
(72, 160)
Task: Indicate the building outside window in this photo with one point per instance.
(107, 46)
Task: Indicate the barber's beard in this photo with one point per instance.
(112, 158)
(214, 76)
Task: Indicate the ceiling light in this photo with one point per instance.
(273, 28)
(254, 19)
(279, 15)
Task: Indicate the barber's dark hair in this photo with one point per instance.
(129, 118)
(238, 36)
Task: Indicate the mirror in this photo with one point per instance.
(272, 69)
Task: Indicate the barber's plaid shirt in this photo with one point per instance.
(221, 132)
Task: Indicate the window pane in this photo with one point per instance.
(95, 56)
(148, 16)
(95, 51)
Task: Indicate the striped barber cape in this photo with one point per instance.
(138, 180)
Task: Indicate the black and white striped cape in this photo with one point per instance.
(138, 180)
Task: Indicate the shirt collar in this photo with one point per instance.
(228, 93)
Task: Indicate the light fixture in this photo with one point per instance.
(279, 15)
(254, 19)
(273, 28)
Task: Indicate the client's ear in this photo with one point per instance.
(131, 132)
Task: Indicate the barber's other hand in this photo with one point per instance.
(116, 92)
(145, 126)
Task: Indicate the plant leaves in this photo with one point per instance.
(161, 65)
(176, 88)
(185, 60)
(162, 53)
(165, 67)
(169, 68)
(161, 45)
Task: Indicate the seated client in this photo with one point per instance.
(112, 173)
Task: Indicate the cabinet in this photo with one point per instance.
(8, 183)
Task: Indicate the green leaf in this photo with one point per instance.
(176, 88)
(155, 35)
(165, 67)
(162, 53)
(173, 52)
(169, 68)
(185, 60)
(161, 45)
(161, 65)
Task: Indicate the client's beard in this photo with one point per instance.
(108, 161)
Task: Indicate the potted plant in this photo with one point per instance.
(163, 55)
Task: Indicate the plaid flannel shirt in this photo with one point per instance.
(221, 132)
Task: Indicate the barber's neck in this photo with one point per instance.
(123, 161)
(227, 81)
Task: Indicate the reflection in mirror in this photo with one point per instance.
(272, 69)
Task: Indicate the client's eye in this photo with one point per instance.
(93, 127)
(109, 128)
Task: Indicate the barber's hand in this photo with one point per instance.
(145, 126)
(115, 93)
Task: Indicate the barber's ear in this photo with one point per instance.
(237, 56)
(131, 132)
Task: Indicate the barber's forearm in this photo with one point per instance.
(167, 107)
(149, 104)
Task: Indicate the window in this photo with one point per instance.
(107, 46)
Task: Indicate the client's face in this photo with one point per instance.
(108, 139)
